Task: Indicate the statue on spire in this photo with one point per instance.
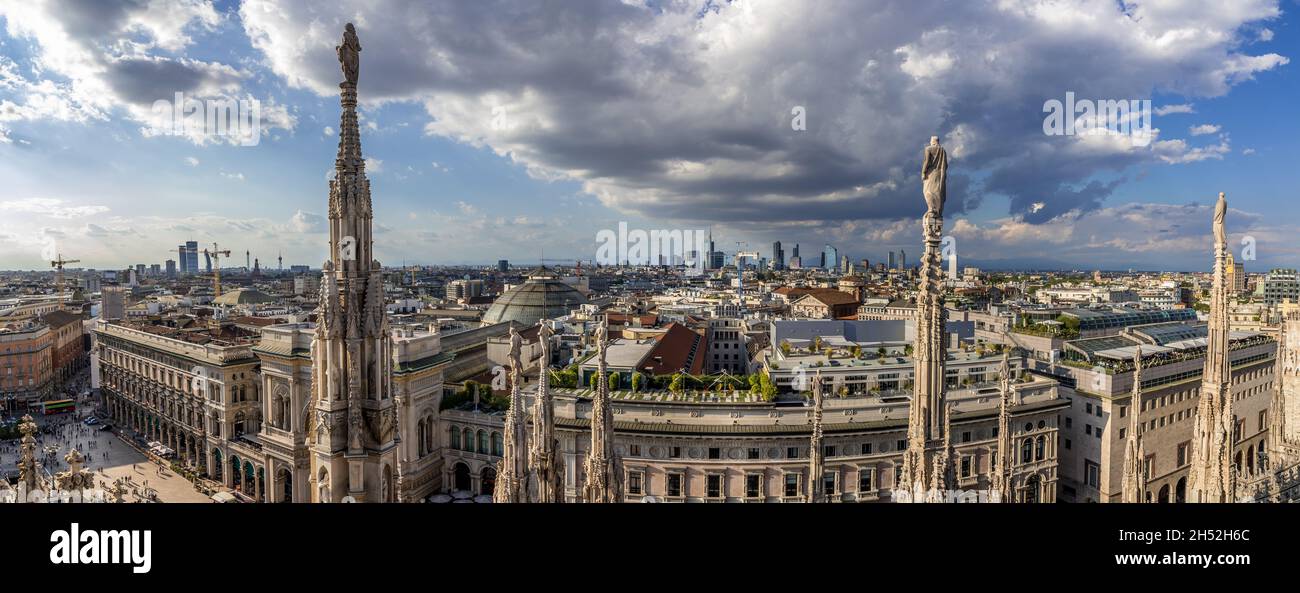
(349, 52)
(1220, 213)
(934, 174)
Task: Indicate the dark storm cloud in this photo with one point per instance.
(680, 113)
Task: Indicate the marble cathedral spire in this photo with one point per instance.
(1284, 407)
(1211, 477)
(512, 470)
(547, 478)
(602, 468)
(1000, 480)
(353, 424)
(1134, 481)
(926, 427)
(816, 454)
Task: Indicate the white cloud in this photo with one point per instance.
(51, 208)
(1177, 152)
(1170, 109)
(306, 222)
(193, 162)
(92, 60)
(1203, 129)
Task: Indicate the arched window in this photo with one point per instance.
(482, 442)
(469, 440)
(1027, 451)
(498, 447)
(429, 443)
(455, 438)
(420, 439)
(1040, 447)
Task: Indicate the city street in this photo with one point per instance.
(111, 457)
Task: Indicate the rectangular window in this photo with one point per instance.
(902, 444)
(792, 484)
(965, 436)
(753, 483)
(715, 486)
(828, 450)
(1092, 473)
(1087, 407)
(674, 484)
(1087, 429)
(966, 465)
(792, 452)
(865, 479)
(752, 453)
(715, 453)
(674, 452)
(828, 483)
(1069, 423)
(1182, 454)
(634, 482)
(635, 450)
(866, 448)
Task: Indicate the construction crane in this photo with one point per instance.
(216, 253)
(58, 265)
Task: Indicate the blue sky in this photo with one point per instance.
(508, 130)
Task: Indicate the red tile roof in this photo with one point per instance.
(679, 349)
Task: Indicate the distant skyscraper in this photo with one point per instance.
(503, 265)
(902, 259)
(795, 253)
(778, 256)
(844, 264)
(191, 257)
(892, 261)
(207, 261)
(180, 257)
(710, 259)
(830, 257)
(171, 268)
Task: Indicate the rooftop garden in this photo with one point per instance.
(1065, 327)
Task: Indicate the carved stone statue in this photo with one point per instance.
(934, 177)
(349, 54)
(1220, 212)
(516, 345)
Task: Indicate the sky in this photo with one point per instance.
(519, 130)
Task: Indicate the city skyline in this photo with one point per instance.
(472, 168)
